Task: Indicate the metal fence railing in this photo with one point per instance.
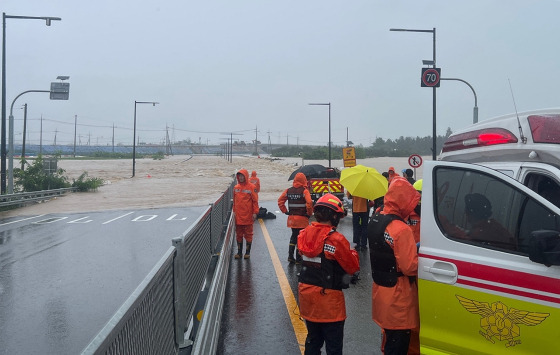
(22, 198)
(158, 318)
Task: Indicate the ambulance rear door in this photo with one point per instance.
(489, 275)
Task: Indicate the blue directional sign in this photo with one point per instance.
(60, 91)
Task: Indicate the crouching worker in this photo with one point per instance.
(328, 263)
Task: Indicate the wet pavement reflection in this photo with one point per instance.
(255, 318)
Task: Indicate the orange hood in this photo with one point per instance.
(300, 180)
(253, 173)
(401, 198)
(312, 238)
(245, 173)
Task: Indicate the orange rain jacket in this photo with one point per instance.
(245, 200)
(255, 181)
(397, 307)
(392, 175)
(317, 304)
(414, 223)
(295, 221)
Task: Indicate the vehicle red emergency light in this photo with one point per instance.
(545, 128)
(479, 138)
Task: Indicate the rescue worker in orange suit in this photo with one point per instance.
(245, 208)
(300, 208)
(414, 222)
(255, 181)
(360, 218)
(394, 265)
(414, 219)
(328, 263)
(391, 174)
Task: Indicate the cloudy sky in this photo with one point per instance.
(226, 66)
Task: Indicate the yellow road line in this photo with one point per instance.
(300, 329)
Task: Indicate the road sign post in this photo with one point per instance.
(415, 161)
(349, 156)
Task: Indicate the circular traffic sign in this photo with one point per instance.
(430, 77)
(415, 161)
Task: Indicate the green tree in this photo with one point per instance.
(35, 178)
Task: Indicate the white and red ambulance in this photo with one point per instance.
(489, 260)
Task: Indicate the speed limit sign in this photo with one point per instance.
(415, 161)
(430, 77)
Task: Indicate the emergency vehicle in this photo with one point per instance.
(489, 259)
(327, 182)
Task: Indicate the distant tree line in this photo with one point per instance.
(400, 147)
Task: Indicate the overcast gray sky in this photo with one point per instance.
(233, 66)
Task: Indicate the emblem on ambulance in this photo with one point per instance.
(501, 322)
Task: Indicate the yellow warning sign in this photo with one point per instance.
(349, 156)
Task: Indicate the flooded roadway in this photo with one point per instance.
(259, 316)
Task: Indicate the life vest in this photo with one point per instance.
(323, 272)
(296, 201)
(382, 257)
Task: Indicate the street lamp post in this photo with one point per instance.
(475, 109)
(434, 136)
(11, 142)
(327, 104)
(134, 138)
(3, 137)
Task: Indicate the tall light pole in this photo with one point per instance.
(475, 108)
(134, 138)
(434, 136)
(327, 104)
(3, 138)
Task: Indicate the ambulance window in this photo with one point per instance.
(478, 209)
(534, 217)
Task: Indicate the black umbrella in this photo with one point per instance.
(310, 171)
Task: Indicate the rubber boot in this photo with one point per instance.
(239, 250)
(291, 249)
(248, 251)
(299, 259)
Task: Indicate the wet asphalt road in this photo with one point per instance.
(256, 319)
(63, 276)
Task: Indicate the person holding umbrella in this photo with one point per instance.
(360, 217)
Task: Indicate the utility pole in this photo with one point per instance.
(256, 150)
(41, 138)
(269, 144)
(24, 129)
(75, 125)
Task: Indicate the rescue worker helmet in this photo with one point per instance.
(418, 185)
(330, 201)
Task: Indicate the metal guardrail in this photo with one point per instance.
(26, 197)
(160, 317)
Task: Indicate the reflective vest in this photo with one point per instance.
(323, 272)
(296, 201)
(382, 257)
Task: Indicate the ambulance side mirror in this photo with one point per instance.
(544, 247)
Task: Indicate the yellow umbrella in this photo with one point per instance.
(363, 181)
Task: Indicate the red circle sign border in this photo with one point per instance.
(430, 71)
(415, 156)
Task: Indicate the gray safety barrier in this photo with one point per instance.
(158, 317)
